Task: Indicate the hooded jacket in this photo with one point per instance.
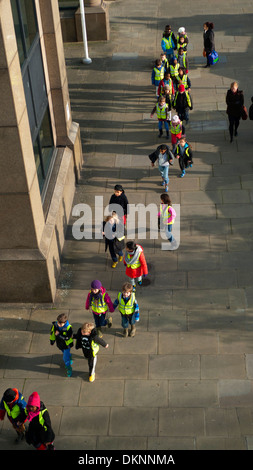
(13, 408)
(64, 338)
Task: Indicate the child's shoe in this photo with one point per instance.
(109, 322)
(120, 258)
(69, 371)
(163, 183)
(125, 333)
(133, 331)
(139, 283)
(166, 188)
(99, 332)
(114, 264)
(134, 288)
(92, 378)
(182, 174)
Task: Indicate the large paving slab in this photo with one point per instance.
(185, 381)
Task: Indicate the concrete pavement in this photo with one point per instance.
(185, 381)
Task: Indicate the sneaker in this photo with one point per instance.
(69, 371)
(163, 183)
(99, 332)
(114, 264)
(109, 322)
(139, 283)
(92, 378)
(120, 258)
(166, 188)
(134, 288)
(182, 174)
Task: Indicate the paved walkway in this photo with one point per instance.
(185, 380)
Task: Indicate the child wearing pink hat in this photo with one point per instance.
(40, 433)
(99, 302)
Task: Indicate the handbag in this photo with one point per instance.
(213, 57)
(244, 113)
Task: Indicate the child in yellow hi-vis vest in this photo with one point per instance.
(99, 302)
(88, 339)
(161, 110)
(128, 307)
(61, 333)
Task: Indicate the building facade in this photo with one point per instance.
(40, 150)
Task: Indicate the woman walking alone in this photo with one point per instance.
(208, 36)
(235, 102)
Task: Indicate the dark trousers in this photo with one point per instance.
(233, 125)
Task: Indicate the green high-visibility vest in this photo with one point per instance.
(101, 306)
(159, 74)
(126, 308)
(161, 112)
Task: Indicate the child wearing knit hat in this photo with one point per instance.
(40, 433)
(99, 302)
(13, 404)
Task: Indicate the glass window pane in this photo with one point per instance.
(29, 21)
(46, 141)
(38, 165)
(17, 27)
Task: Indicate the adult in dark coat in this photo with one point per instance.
(208, 36)
(235, 102)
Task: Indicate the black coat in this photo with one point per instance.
(86, 345)
(209, 45)
(155, 155)
(37, 433)
(121, 200)
(235, 103)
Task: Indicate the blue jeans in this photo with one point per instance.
(67, 357)
(100, 319)
(125, 319)
(168, 230)
(164, 170)
(166, 125)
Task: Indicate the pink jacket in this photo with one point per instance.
(172, 213)
(107, 300)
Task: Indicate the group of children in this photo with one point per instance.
(98, 302)
(170, 77)
(30, 419)
(172, 88)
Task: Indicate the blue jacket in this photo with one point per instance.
(18, 401)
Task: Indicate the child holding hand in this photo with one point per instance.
(129, 309)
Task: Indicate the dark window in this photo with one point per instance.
(28, 42)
